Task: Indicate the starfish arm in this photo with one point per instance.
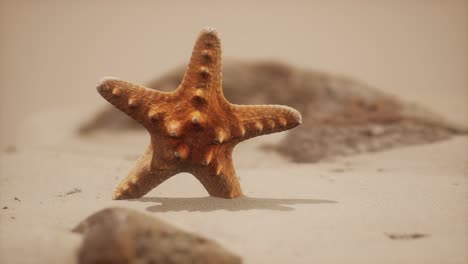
(204, 69)
(256, 120)
(134, 100)
(141, 179)
(219, 176)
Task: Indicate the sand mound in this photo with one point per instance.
(341, 116)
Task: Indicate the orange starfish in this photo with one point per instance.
(194, 128)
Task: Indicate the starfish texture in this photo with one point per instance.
(194, 128)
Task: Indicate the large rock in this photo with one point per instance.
(119, 235)
(341, 116)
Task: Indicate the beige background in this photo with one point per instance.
(52, 53)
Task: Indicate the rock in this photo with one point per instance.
(341, 116)
(119, 235)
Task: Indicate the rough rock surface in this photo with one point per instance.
(341, 116)
(119, 235)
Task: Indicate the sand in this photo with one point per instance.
(330, 212)
(406, 205)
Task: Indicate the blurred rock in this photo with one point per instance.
(119, 235)
(341, 116)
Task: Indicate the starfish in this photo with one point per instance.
(193, 129)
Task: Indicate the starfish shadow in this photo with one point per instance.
(207, 204)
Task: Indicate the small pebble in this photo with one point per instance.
(338, 170)
(10, 149)
(405, 236)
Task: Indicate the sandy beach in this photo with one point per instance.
(404, 205)
(330, 212)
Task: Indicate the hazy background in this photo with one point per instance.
(52, 53)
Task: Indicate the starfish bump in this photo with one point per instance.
(194, 128)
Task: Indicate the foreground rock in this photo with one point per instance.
(341, 116)
(119, 235)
